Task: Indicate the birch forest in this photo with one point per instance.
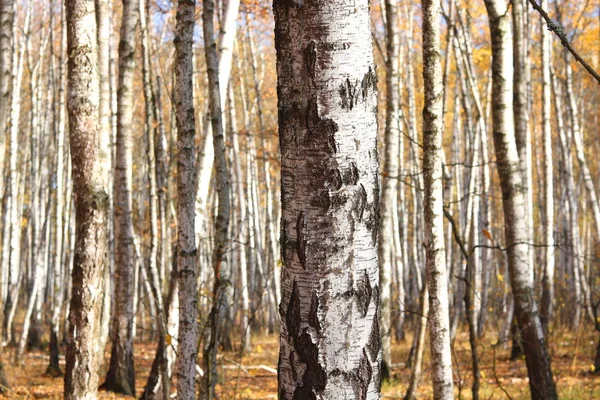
(300, 199)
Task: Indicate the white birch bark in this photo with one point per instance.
(329, 340)
(548, 273)
(120, 376)
(435, 266)
(514, 205)
(389, 177)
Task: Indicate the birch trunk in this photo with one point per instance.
(436, 273)
(152, 262)
(59, 239)
(514, 203)
(186, 182)
(548, 273)
(6, 54)
(330, 344)
(389, 178)
(103, 20)
(12, 190)
(223, 291)
(120, 377)
(90, 185)
(417, 362)
(521, 110)
(579, 149)
(207, 157)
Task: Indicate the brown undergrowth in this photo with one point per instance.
(572, 356)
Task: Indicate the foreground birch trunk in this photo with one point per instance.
(435, 265)
(330, 344)
(186, 183)
(541, 382)
(90, 187)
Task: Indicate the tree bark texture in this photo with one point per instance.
(186, 183)
(329, 340)
(389, 175)
(435, 265)
(541, 382)
(90, 188)
(120, 377)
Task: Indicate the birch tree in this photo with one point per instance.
(390, 175)
(120, 377)
(539, 370)
(435, 267)
(90, 187)
(223, 291)
(329, 339)
(548, 273)
(186, 183)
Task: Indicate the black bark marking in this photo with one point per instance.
(372, 220)
(363, 202)
(292, 315)
(369, 82)
(374, 343)
(315, 377)
(300, 240)
(364, 374)
(310, 58)
(320, 129)
(349, 94)
(334, 178)
(364, 293)
(351, 174)
(293, 365)
(313, 313)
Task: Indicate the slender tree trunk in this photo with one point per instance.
(417, 362)
(521, 84)
(120, 377)
(6, 54)
(390, 178)
(12, 190)
(152, 262)
(243, 222)
(103, 20)
(186, 183)
(329, 341)
(437, 281)
(548, 274)
(90, 185)
(59, 242)
(514, 203)
(223, 290)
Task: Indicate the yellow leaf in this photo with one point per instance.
(592, 368)
(168, 339)
(487, 234)
(483, 374)
(259, 349)
(500, 277)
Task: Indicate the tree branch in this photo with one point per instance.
(560, 33)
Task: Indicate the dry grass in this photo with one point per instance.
(571, 358)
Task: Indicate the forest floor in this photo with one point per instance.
(255, 378)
